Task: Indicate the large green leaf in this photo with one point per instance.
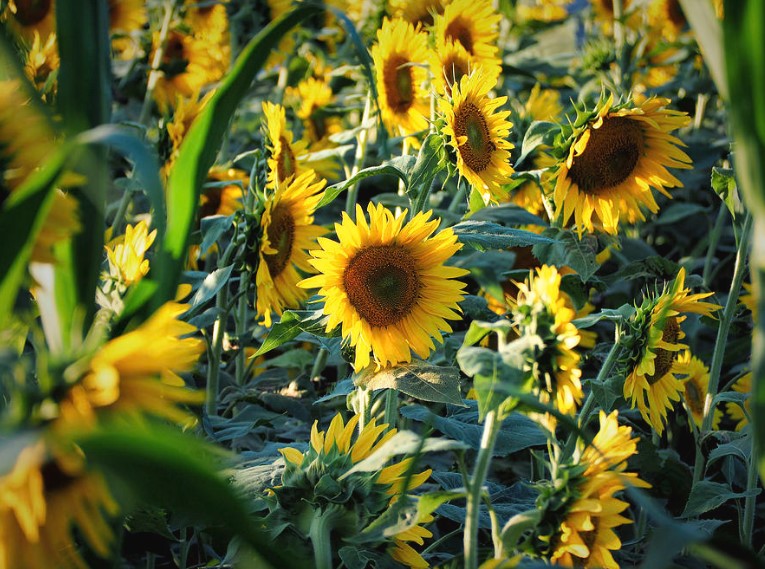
(199, 149)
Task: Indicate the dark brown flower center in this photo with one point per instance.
(454, 69)
(382, 284)
(459, 30)
(31, 12)
(54, 478)
(470, 122)
(281, 236)
(665, 358)
(285, 161)
(399, 84)
(212, 199)
(174, 58)
(610, 157)
(675, 13)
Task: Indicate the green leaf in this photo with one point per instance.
(508, 214)
(200, 147)
(620, 314)
(707, 495)
(162, 467)
(292, 323)
(563, 248)
(516, 526)
(740, 447)
(419, 380)
(210, 287)
(212, 230)
(724, 185)
(429, 163)
(678, 212)
(399, 167)
(484, 235)
(538, 133)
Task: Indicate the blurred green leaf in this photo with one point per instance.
(706, 28)
(677, 212)
(707, 495)
(427, 166)
(724, 185)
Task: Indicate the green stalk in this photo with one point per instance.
(752, 478)
(319, 364)
(156, 62)
(320, 534)
(714, 239)
(358, 159)
(475, 490)
(391, 408)
(241, 327)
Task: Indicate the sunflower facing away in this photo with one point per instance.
(478, 134)
(653, 385)
(330, 455)
(386, 282)
(399, 55)
(614, 162)
(283, 163)
(288, 233)
(695, 387)
(474, 24)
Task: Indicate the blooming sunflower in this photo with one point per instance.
(734, 410)
(135, 373)
(398, 55)
(223, 199)
(42, 499)
(421, 12)
(653, 385)
(542, 10)
(126, 254)
(25, 17)
(207, 20)
(287, 235)
(314, 96)
(615, 160)
(283, 163)
(287, 42)
(541, 308)
(188, 64)
(186, 112)
(385, 281)
(41, 62)
(478, 134)
(450, 61)
(667, 18)
(749, 300)
(330, 455)
(695, 387)
(126, 17)
(474, 24)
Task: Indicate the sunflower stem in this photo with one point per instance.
(319, 364)
(714, 239)
(459, 197)
(475, 490)
(320, 534)
(154, 73)
(391, 408)
(752, 478)
(241, 327)
(619, 32)
(720, 344)
(358, 159)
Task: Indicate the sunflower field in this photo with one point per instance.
(382, 284)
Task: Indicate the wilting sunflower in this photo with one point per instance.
(541, 308)
(478, 134)
(283, 163)
(421, 12)
(399, 55)
(222, 198)
(742, 385)
(25, 17)
(44, 497)
(695, 387)
(615, 160)
(450, 62)
(288, 233)
(474, 24)
(330, 455)
(188, 65)
(41, 62)
(653, 385)
(386, 282)
(136, 373)
(127, 253)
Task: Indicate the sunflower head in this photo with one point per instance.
(695, 387)
(42, 63)
(283, 163)
(127, 254)
(224, 193)
(740, 412)
(421, 12)
(615, 156)
(654, 343)
(472, 23)
(25, 17)
(477, 133)
(541, 10)
(399, 55)
(386, 282)
(450, 62)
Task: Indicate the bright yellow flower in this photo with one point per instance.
(667, 18)
(126, 18)
(135, 373)
(614, 162)
(474, 24)
(283, 162)
(186, 112)
(734, 410)
(478, 134)
(450, 61)
(41, 61)
(126, 254)
(25, 17)
(749, 300)
(542, 10)
(288, 233)
(398, 55)
(653, 384)
(223, 199)
(417, 12)
(386, 282)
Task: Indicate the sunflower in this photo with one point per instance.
(207, 20)
(25, 17)
(287, 235)
(186, 112)
(330, 455)
(667, 18)
(748, 300)
(541, 308)
(223, 199)
(398, 55)
(615, 160)
(542, 10)
(136, 373)
(478, 134)
(43, 498)
(474, 24)
(695, 387)
(286, 44)
(283, 163)
(42, 61)
(603, 12)
(126, 253)
(653, 385)
(314, 96)
(385, 281)
(126, 17)
(450, 61)
(734, 410)
(421, 12)
(188, 65)
(26, 139)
